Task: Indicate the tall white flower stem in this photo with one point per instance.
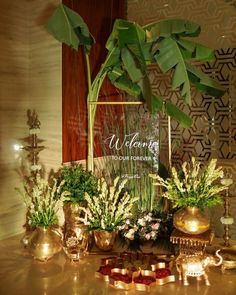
(169, 142)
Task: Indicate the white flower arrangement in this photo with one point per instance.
(145, 227)
(194, 186)
(43, 201)
(110, 208)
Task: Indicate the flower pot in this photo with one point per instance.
(76, 235)
(191, 220)
(104, 240)
(73, 212)
(76, 240)
(44, 243)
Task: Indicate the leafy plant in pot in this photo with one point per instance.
(193, 189)
(77, 181)
(130, 50)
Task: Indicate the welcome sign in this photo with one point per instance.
(131, 147)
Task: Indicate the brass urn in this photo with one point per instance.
(76, 240)
(74, 213)
(76, 235)
(44, 243)
(104, 240)
(191, 220)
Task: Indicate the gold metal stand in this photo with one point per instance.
(191, 244)
(228, 251)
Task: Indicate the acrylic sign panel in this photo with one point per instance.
(129, 139)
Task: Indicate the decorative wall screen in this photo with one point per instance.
(213, 134)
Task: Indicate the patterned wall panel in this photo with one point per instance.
(217, 17)
(213, 134)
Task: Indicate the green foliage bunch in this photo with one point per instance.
(77, 181)
(194, 186)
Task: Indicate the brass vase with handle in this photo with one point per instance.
(45, 242)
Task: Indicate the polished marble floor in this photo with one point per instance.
(21, 275)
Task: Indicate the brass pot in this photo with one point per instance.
(104, 240)
(76, 240)
(191, 220)
(76, 236)
(73, 213)
(44, 243)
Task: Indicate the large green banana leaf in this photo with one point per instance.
(132, 47)
(174, 112)
(203, 82)
(68, 27)
(157, 104)
(196, 50)
(167, 28)
(169, 57)
(123, 83)
(131, 38)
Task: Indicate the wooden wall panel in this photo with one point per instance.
(99, 16)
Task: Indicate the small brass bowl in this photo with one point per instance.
(229, 258)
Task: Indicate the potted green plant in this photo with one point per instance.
(107, 211)
(193, 189)
(43, 202)
(77, 181)
(130, 50)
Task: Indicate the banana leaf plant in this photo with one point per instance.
(131, 48)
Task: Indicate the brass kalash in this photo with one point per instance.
(192, 260)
